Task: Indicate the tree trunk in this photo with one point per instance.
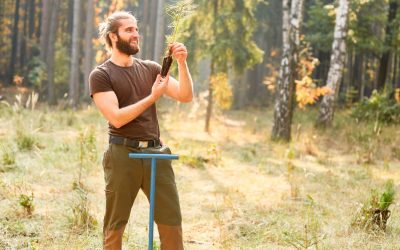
(74, 72)
(23, 42)
(151, 31)
(210, 87)
(88, 59)
(145, 30)
(50, 52)
(209, 100)
(159, 35)
(336, 68)
(384, 61)
(284, 100)
(31, 28)
(240, 89)
(45, 26)
(14, 44)
(395, 66)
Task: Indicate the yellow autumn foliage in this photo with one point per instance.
(397, 95)
(222, 90)
(308, 93)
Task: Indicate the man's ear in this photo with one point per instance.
(113, 36)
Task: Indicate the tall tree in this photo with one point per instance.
(159, 34)
(88, 59)
(44, 29)
(50, 51)
(327, 108)
(217, 22)
(284, 99)
(14, 44)
(384, 61)
(74, 68)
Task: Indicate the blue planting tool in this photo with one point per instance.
(153, 158)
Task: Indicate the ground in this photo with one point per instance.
(238, 189)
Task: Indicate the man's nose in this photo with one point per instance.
(136, 34)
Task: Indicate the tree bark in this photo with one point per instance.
(151, 30)
(50, 52)
(74, 72)
(384, 61)
(210, 87)
(88, 59)
(284, 99)
(209, 101)
(44, 29)
(395, 66)
(145, 29)
(335, 74)
(23, 40)
(159, 35)
(14, 44)
(31, 28)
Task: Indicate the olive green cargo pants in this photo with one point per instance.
(124, 177)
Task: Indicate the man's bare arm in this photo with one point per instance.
(108, 105)
(183, 90)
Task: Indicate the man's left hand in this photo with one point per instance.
(179, 51)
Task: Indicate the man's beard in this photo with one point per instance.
(125, 46)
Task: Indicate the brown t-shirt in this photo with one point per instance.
(130, 84)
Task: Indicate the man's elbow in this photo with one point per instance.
(115, 121)
(187, 98)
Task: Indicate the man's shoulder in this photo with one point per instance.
(147, 63)
(101, 71)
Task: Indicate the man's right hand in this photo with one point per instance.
(159, 87)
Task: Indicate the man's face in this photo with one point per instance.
(128, 37)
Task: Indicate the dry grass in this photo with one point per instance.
(238, 190)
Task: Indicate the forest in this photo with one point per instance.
(291, 141)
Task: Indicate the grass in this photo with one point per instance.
(238, 190)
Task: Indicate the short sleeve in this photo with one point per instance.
(99, 81)
(155, 68)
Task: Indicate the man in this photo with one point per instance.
(125, 90)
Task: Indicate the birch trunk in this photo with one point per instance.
(335, 73)
(284, 98)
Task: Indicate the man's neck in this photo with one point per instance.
(121, 59)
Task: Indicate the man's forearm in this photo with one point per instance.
(185, 83)
(126, 114)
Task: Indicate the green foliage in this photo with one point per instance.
(387, 196)
(25, 141)
(26, 201)
(377, 108)
(310, 236)
(61, 69)
(213, 25)
(81, 219)
(193, 161)
(87, 149)
(222, 90)
(319, 25)
(374, 213)
(37, 73)
(178, 12)
(365, 18)
(8, 157)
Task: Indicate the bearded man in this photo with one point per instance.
(125, 90)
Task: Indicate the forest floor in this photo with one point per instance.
(238, 189)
